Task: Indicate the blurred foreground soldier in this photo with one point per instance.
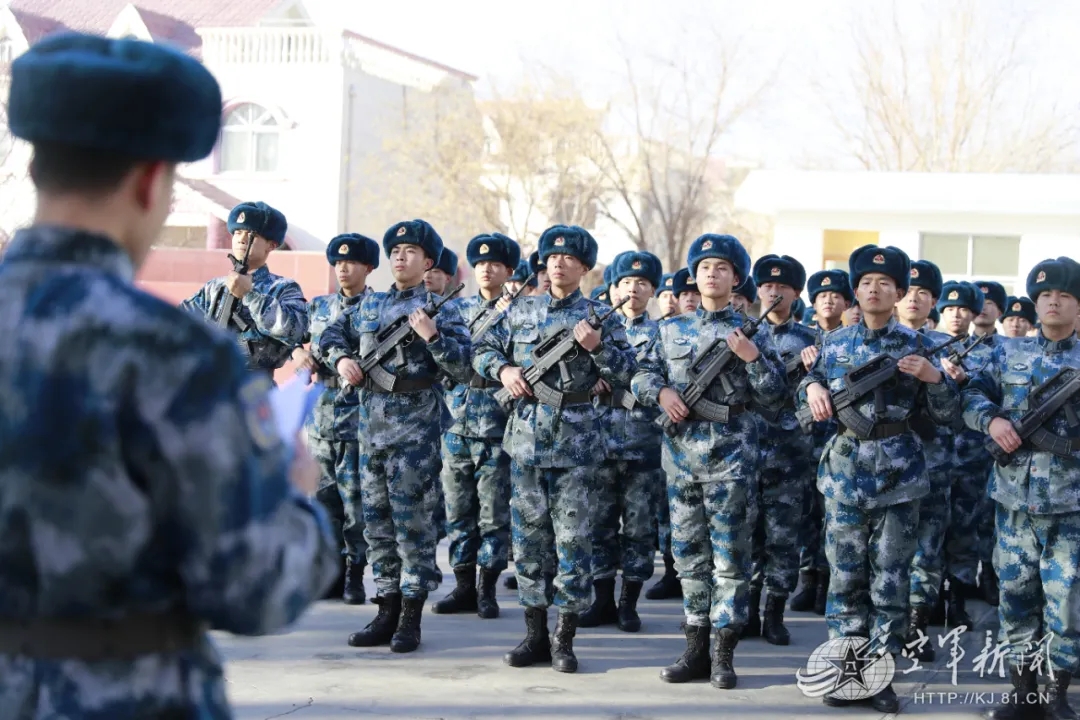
(873, 478)
(711, 453)
(830, 294)
(1035, 485)
(554, 438)
(475, 470)
(333, 432)
(786, 465)
(269, 311)
(400, 417)
(1019, 317)
(685, 288)
(146, 495)
(666, 301)
(624, 529)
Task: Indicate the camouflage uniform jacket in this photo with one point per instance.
(712, 451)
(1037, 482)
(538, 435)
(474, 412)
(632, 435)
(275, 313)
(141, 474)
(892, 470)
(971, 454)
(940, 450)
(335, 414)
(825, 429)
(393, 419)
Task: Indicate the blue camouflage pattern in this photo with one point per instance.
(148, 478)
(274, 312)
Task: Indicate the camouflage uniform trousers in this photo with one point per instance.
(962, 540)
(710, 539)
(775, 543)
(398, 487)
(928, 565)
(1037, 558)
(812, 528)
(626, 493)
(869, 553)
(476, 482)
(550, 509)
(339, 492)
(663, 515)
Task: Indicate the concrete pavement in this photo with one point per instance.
(310, 672)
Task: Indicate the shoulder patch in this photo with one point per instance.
(259, 416)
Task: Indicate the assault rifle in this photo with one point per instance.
(488, 318)
(1053, 395)
(870, 377)
(956, 357)
(555, 350)
(714, 363)
(228, 301)
(671, 314)
(395, 337)
(794, 366)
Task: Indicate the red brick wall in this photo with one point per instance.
(175, 274)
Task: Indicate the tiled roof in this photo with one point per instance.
(175, 19)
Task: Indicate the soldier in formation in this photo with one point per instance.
(150, 458)
(1019, 319)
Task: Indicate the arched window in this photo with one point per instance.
(249, 140)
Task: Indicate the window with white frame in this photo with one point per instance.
(974, 257)
(250, 139)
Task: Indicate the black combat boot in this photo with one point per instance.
(562, 645)
(772, 626)
(803, 601)
(822, 597)
(536, 647)
(603, 611)
(988, 586)
(1023, 703)
(918, 621)
(723, 659)
(1057, 698)
(629, 620)
(337, 590)
(486, 605)
(937, 612)
(510, 583)
(957, 615)
(463, 597)
(886, 701)
(407, 637)
(668, 586)
(694, 663)
(354, 594)
(380, 630)
(752, 628)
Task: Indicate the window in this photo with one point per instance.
(974, 257)
(249, 140)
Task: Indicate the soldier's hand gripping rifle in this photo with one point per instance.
(556, 350)
(397, 336)
(228, 301)
(869, 378)
(1046, 400)
(483, 322)
(713, 364)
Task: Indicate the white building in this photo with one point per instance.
(306, 106)
(974, 226)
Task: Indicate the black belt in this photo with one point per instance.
(565, 398)
(480, 382)
(881, 430)
(710, 411)
(403, 385)
(91, 640)
(618, 398)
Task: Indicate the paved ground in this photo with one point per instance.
(310, 673)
